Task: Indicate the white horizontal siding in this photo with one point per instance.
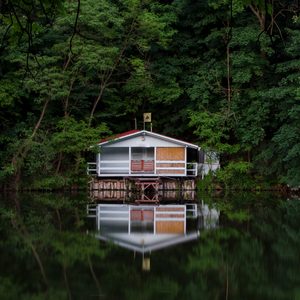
(139, 141)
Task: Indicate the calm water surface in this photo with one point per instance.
(57, 246)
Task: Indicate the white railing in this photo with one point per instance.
(91, 168)
(191, 210)
(169, 168)
(192, 169)
(114, 167)
(112, 213)
(91, 210)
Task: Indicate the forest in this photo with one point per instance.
(224, 74)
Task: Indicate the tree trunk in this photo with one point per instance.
(20, 155)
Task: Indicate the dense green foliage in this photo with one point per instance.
(224, 74)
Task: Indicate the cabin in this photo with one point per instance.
(150, 161)
(139, 153)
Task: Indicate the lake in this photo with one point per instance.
(62, 246)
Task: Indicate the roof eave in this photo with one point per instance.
(114, 140)
(150, 133)
(172, 139)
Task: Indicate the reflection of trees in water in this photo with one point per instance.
(47, 240)
(257, 258)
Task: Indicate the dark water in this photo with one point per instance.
(241, 247)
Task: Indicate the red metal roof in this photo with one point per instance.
(119, 135)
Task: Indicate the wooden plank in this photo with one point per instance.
(170, 153)
(166, 209)
(169, 216)
(136, 165)
(170, 227)
(188, 185)
(170, 171)
(148, 165)
(170, 165)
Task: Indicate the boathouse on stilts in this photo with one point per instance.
(144, 161)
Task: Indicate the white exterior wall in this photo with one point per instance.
(98, 157)
(114, 161)
(115, 154)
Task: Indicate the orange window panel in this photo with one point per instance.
(170, 227)
(170, 153)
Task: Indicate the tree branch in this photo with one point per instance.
(110, 72)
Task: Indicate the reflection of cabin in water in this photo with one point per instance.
(144, 228)
(141, 153)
